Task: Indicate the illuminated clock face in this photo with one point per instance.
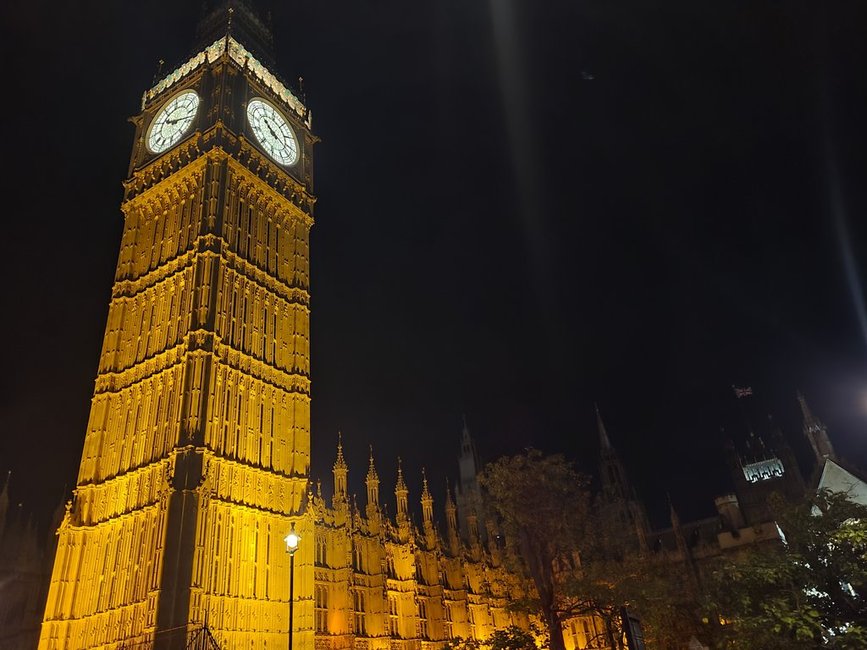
(172, 122)
(273, 132)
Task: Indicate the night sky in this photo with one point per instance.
(524, 208)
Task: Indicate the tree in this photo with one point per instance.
(809, 591)
(460, 643)
(510, 638)
(616, 571)
(542, 504)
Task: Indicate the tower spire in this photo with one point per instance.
(425, 491)
(426, 502)
(372, 481)
(604, 442)
(816, 433)
(340, 471)
(612, 472)
(401, 494)
(451, 521)
(237, 19)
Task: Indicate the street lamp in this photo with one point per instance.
(291, 540)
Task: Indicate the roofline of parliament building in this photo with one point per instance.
(196, 457)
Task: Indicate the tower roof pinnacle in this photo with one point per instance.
(240, 20)
(340, 463)
(425, 491)
(604, 442)
(816, 432)
(811, 422)
(675, 519)
(371, 468)
(401, 484)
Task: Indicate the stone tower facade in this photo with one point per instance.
(197, 449)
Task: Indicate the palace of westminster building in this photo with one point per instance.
(196, 457)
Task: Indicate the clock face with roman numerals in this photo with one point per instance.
(273, 132)
(172, 122)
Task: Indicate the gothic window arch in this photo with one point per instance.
(393, 625)
(321, 608)
(360, 610)
(422, 619)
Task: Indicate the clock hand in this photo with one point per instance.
(273, 133)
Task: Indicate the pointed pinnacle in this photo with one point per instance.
(805, 410)
(401, 484)
(371, 468)
(449, 500)
(604, 442)
(466, 430)
(340, 463)
(425, 492)
(675, 519)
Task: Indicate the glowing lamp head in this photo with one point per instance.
(292, 540)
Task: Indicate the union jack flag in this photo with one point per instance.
(742, 392)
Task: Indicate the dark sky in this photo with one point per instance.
(524, 208)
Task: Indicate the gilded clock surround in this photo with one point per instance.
(272, 131)
(172, 121)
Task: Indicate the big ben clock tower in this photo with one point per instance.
(197, 449)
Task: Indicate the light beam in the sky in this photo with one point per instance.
(522, 132)
(847, 255)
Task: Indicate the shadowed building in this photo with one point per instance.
(25, 565)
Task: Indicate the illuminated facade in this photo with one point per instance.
(384, 582)
(196, 457)
(197, 448)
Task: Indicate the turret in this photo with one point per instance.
(468, 492)
(426, 502)
(604, 442)
(493, 542)
(786, 454)
(467, 461)
(761, 471)
(682, 546)
(427, 512)
(611, 470)
(372, 482)
(730, 512)
(340, 471)
(401, 494)
(816, 433)
(451, 522)
(617, 490)
(473, 528)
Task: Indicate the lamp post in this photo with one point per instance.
(291, 540)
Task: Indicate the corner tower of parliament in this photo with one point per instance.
(196, 457)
